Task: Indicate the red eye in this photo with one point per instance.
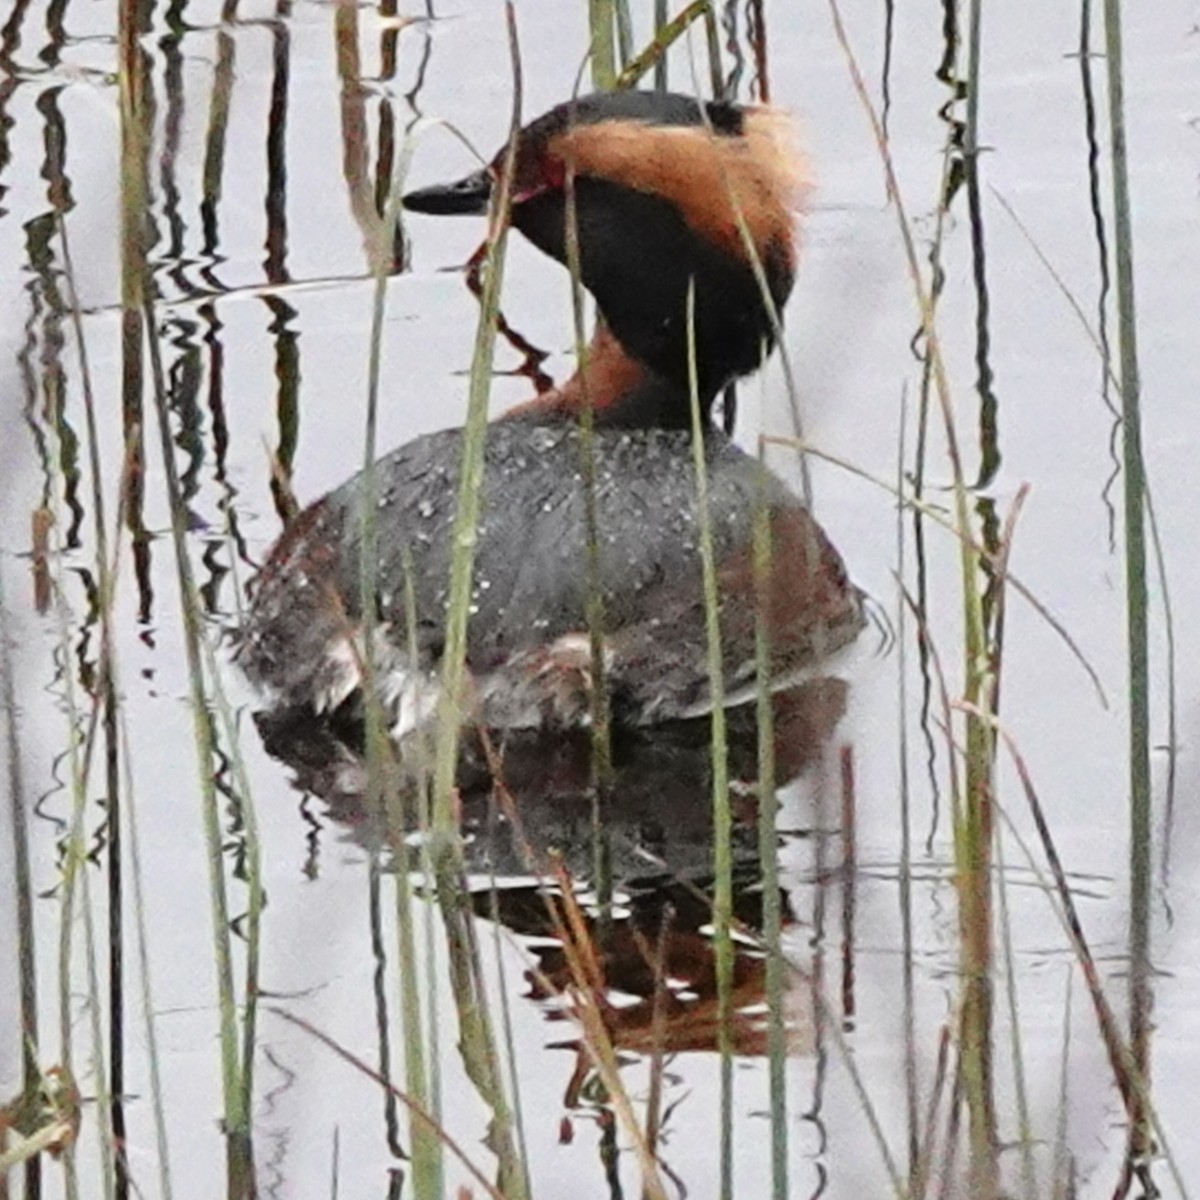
(545, 174)
(554, 174)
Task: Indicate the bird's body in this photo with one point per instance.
(650, 255)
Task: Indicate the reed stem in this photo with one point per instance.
(1136, 599)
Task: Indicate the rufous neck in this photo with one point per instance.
(619, 390)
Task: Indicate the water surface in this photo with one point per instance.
(270, 125)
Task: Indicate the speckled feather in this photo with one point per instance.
(526, 646)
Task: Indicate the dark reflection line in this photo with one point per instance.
(50, 372)
(355, 138)
(40, 362)
(391, 1115)
(814, 1114)
(10, 43)
(59, 787)
(413, 95)
(183, 389)
(400, 245)
(225, 784)
(733, 47)
(389, 42)
(215, 403)
(989, 445)
(173, 88)
(609, 1153)
(137, 229)
(85, 666)
(51, 52)
(109, 834)
(849, 879)
(989, 406)
(756, 35)
(311, 868)
(214, 143)
(287, 375)
(532, 357)
(386, 162)
(54, 384)
(275, 263)
(272, 1179)
(1101, 234)
(8, 87)
(283, 315)
(946, 73)
(188, 372)
(213, 559)
(885, 73)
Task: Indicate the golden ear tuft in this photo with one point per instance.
(711, 178)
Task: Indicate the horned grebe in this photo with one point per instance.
(664, 188)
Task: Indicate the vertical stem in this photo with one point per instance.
(137, 306)
(1135, 597)
(476, 1039)
(768, 850)
(602, 24)
(976, 837)
(23, 886)
(722, 818)
(660, 63)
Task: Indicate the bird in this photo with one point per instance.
(684, 227)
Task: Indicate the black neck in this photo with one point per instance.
(645, 266)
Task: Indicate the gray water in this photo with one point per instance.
(264, 315)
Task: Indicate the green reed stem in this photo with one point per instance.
(455, 1149)
(1133, 1088)
(236, 1074)
(1063, 1181)
(601, 731)
(666, 34)
(162, 1145)
(976, 837)
(911, 1100)
(236, 1114)
(768, 850)
(660, 65)
(1025, 1136)
(477, 1040)
(137, 305)
(602, 20)
(470, 493)
(75, 874)
(137, 300)
(974, 818)
(421, 1080)
(722, 816)
(624, 31)
(1136, 600)
(383, 788)
(22, 874)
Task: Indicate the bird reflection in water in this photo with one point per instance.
(529, 840)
